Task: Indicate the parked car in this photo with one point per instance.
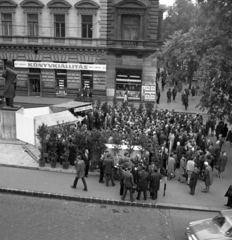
(217, 228)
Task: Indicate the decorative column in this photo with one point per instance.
(119, 36)
(141, 27)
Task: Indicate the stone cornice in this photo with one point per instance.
(32, 4)
(86, 4)
(86, 7)
(131, 4)
(59, 4)
(131, 11)
(8, 4)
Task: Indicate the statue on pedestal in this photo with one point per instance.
(10, 76)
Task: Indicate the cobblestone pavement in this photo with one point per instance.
(45, 219)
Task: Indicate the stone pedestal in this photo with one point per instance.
(8, 122)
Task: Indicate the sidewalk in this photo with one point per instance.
(176, 105)
(22, 177)
(19, 165)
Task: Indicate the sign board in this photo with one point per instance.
(65, 66)
(83, 108)
(149, 92)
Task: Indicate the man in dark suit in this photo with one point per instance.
(85, 157)
(142, 183)
(155, 183)
(109, 165)
(102, 168)
(128, 182)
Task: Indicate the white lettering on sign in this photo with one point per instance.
(83, 108)
(66, 66)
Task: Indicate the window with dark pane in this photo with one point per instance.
(59, 26)
(87, 25)
(130, 27)
(33, 25)
(7, 24)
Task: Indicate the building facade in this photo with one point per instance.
(60, 47)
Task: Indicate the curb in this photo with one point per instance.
(17, 142)
(106, 201)
(57, 170)
(32, 155)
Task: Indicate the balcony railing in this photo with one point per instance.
(120, 43)
(52, 41)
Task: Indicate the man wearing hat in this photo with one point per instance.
(10, 76)
(128, 182)
(142, 183)
(154, 180)
(109, 165)
(80, 172)
(193, 180)
(208, 177)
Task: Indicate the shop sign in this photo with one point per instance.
(65, 66)
(83, 108)
(149, 92)
(127, 80)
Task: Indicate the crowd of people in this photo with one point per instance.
(181, 141)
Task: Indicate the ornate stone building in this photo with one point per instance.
(61, 46)
(134, 33)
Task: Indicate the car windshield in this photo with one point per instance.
(224, 225)
(219, 220)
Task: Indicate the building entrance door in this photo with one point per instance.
(34, 85)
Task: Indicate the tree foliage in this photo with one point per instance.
(206, 48)
(180, 17)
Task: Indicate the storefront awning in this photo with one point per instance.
(71, 105)
(54, 118)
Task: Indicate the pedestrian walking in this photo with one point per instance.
(193, 92)
(174, 92)
(222, 163)
(142, 183)
(158, 96)
(86, 159)
(185, 100)
(229, 196)
(128, 182)
(169, 95)
(208, 177)
(229, 137)
(163, 83)
(158, 74)
(80, 172)
(193, 180)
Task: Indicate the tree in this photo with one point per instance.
(143, 143)
(180, 17)
(206, 48)
(117, 142)
(42, 134)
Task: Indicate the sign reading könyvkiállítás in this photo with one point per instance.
(65, 66)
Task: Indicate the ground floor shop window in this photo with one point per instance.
(34, 82)
(61, 81)
(128, 81)
(87, 80)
